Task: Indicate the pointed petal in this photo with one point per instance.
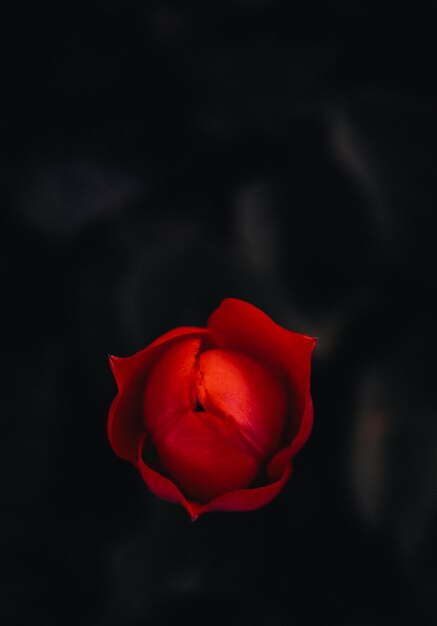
(247, 499)
(238, 325)
(238, 500)
(161, 486)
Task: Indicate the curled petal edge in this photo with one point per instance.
(125, 421)
(238, 500)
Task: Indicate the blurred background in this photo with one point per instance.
(155, 158)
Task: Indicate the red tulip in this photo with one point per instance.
(212, 417)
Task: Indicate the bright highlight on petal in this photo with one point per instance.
(236, 386)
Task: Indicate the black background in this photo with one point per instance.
(157, 157)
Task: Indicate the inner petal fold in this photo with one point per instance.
(247, 392)
(200, 455)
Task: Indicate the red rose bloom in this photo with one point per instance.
(212, 417)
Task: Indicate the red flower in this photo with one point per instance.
(212, 417)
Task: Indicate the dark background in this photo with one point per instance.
(155, 158)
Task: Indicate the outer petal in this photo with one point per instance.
(199, 453)
(125, 421)
(161, 486)
(247, 499)
(237, 325)
(282, 459)
(238, 500)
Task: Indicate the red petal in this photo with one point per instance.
(282, 459)
(235, 385)
(171, 385)
(238, 500)
(247, 499)
(198, 453)
(125, 421)
(238, 325)
(161, 486)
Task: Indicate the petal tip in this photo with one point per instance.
(112, 360)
